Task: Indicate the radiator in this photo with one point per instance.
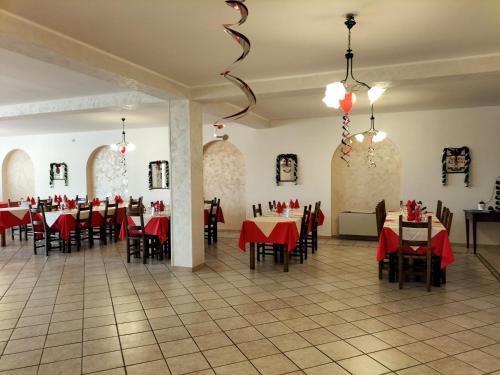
(358, 224)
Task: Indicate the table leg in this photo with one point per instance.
(286, 256)
(3, 239)
(467, 230)
(252, 255)
(474, 232)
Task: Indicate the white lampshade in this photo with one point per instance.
(331, 102)
(335, 90)
(379, 136)
(130, 147)
(360, 137)
(374, 93)
(114, 147)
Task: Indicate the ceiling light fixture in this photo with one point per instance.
(337, 92)
(123, 147)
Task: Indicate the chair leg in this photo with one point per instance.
(400, 269)
(128, 251)
(380, 269)
(429, 278)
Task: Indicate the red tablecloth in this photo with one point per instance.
(4, 204)
(389, 243)
(284, 233)
(9, 220)
(220, 216)
(66, 222)
(155, 226)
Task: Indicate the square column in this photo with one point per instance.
(186, 165)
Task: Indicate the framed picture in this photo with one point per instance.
(286, 168)
(58, 171)
(456, 160)
(158, 175)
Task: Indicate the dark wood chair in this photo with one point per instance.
(79, 199)
(135, 234)
(380, 215)
(257, 210)
(47, 201)
(312, 238)
(111, 221)
(83, 227)
(272, 205)
(410, 257)
(21, 229)
(301, 247)
(135, 203)
(99, 232)
(43, 237)
(211, 225)
(439, 210)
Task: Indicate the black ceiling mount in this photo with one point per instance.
(350, 21)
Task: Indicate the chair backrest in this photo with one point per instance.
(44, 201)
(448, 222)
(444, 215)
(84, 213)
(212, 213)
(380, 215)
(110, 212)
(257, 210)
(270, 206)
(135, 203)
(317, 208)
(14, 203)
(135, 229)
(304, 223)
(79, 199)
(411, 224)
(38, 221)
(439, 208)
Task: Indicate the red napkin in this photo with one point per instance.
(162, 206)
(96, 202)
(418, 216)
(28, 199)
(297, 204)
(65, 198)
(283, 205)
(411, 214)
(279, 208)
(71, 204)
(291, 204)
(118, 199)
(33, 201)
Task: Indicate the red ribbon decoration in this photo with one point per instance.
(244, 42)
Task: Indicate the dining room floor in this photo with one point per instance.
(91, 312)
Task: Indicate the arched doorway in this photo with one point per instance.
(105, 174)
(358, 187)
(18, 176)
(224, 178)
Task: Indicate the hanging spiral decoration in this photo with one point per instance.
(346, 140)
(371, 154)
(244, 42)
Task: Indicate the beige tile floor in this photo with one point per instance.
(90, 312)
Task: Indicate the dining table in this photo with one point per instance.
(157, 224)
(12, 217)
(389, 239)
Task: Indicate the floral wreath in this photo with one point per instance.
(158, 164)
(57, 167)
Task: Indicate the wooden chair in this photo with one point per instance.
(380, 215)
(257, 210)
(439, 210)
(135, 234)
(135, 203)
(211, 225)
(79, 199)
(410, 256)
(301, 247)
(312, 238)
(99, 232)
(21, 229)
(111, 221)
(444, 215)
(83, 227)
(42, 235)
(47, 201)
(272, 205)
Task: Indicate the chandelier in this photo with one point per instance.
(123, 146)
(341, 94)
(373, 136)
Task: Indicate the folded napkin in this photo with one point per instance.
(71, 204)
(297, 204)
(33, 201)
(28, 199)
(418, 216)
(291, 204)
(96, 202)
(118, 199)
(283, 205)
(279, 208)
(411, 213)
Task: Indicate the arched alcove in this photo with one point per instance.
(359, 187)
(18, 175)
(224, 178)
(105, 174)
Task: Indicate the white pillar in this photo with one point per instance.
(186, 165)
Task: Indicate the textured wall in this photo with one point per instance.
(224, 178)
(18, 176)
(359, 188)
(105, 174)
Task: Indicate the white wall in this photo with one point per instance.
(75, 149)
(420, 136)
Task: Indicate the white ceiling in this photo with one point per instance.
(291, 40)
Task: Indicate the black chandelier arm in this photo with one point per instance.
(355, 80)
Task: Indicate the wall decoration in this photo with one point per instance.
(456, 160)
(286, 168)
(159, 175)
(58, 171)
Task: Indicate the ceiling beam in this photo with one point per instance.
(391, 75)
(122, 100)
(22, 36)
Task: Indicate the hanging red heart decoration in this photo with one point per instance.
(123, 150)
(346, 103)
